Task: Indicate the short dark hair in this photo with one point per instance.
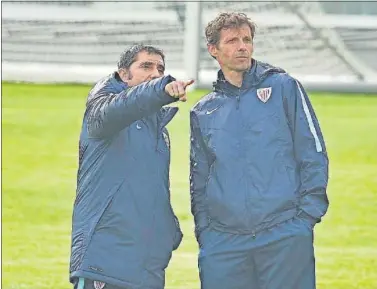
(225, 21)
(129, 55)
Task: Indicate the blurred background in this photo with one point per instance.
(329, 45)
(53, 52)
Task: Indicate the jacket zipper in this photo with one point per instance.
(238, 98)
(158, 132)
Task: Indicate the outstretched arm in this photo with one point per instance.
(108, 113)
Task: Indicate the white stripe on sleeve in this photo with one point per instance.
(310, 120)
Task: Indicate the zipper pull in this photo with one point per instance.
(238, 98)
(157, 133)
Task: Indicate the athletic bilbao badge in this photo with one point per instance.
(99, 285)
(264, 93)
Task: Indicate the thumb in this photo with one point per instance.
(187, 83)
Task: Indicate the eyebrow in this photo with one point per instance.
(150, 63)
(147, 63)
(230, 39)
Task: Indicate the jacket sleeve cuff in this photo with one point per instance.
(165, 97)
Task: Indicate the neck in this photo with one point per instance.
(234, 77)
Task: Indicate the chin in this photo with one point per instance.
(242, 68)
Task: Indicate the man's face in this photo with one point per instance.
(234, 50)
(145, 68)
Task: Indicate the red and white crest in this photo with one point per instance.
(99, 284)
(264, 94)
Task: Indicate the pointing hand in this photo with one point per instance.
(177, 89)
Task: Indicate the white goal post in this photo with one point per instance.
(81, 43)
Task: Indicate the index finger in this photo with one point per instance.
(187, 83)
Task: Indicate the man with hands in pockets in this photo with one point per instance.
(259, 169)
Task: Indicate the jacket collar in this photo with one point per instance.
(251, 78)
(117, 82)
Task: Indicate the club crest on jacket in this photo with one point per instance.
(264, 94)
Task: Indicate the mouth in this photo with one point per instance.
(242, 57)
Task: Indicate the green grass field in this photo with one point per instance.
(40, 128)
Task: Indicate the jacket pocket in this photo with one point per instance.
(225, 193)
(105, 213)
(290, 172)
(292, 180)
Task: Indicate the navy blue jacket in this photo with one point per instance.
(124, 229)
(256, 161)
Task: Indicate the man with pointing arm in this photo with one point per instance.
(124, 229)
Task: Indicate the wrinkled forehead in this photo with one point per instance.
(241, 32)
(150, 58)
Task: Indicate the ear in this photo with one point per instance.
(212, 49)
(124, 74)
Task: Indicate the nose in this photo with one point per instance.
(242, 46)
(155, 74)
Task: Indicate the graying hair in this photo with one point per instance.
(129, 55)
(226, 21)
